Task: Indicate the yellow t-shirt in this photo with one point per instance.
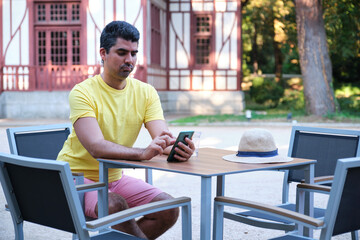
(119, 113)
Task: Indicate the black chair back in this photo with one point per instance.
(326, 148)
(37, 192)
(348, 216)
(45, 144)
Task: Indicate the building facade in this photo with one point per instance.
(190, 51)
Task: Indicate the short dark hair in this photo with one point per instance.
(115, 30)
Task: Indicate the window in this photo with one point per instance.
(76, 47)
(202, 48)
(57, 12)
(155, 35)
(41, 13)
(57, 27)
(41, 48)
(202, 54)
(59, 47)
(75, 13)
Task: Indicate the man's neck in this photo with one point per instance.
(114, 83)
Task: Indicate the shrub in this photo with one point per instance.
(293, 100)
(266, 91)
(350, 104)
(348, 97)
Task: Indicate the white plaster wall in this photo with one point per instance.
(34, 105)
(55, 104)
(202, 102)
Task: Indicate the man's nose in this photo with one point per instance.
(129, 58)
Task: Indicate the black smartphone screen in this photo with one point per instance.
(180, 138)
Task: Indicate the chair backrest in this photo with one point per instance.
(44, 141)
(324, 145)
(343, 212)
(41, 191)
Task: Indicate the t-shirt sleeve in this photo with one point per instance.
(153, 108)
(81, 105)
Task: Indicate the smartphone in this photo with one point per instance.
(181, 138)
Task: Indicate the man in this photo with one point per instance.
(107, 112)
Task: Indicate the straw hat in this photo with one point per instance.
(257, 146)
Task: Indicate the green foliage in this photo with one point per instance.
(293, 100)
(291, 63)
(342, 25)
(266, 23)
(348, 97)
(266, 91)
(350, 104)
(347, 90)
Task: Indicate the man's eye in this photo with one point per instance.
(122, 53)
(133, 54)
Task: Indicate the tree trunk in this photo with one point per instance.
(255, 51)
(315, 62)
(278, 62)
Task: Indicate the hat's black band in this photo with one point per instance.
(257, 154)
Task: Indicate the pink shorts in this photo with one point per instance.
(135, 191)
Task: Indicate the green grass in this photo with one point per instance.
(268, 115)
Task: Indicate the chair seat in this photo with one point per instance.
(318, 213)
(291, 237)
(114, 235)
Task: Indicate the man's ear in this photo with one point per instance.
(103, 54)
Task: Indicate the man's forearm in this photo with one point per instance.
(107, 149)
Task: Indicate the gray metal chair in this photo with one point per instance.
(42, 141)
(59, 207)
(45, 141)
(342, 214)
(325, 145)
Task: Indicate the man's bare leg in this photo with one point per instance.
(155, 224)
(117, 204)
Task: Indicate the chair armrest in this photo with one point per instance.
(134, 212)
(322, 179)
(77, 174)
(89, 187)
(314, 188)
(272, 210)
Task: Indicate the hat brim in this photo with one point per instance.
(275, 159)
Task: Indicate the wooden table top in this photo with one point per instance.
(209, 162)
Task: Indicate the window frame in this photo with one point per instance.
(156, 36)
(202, 35)
(68, 25)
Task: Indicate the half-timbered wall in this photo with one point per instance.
(204, 45)
(189, 50)
(157, 44)
(101, 12)
(52, 45)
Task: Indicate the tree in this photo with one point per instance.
(268, 28)
(342, 25)
(315, 62)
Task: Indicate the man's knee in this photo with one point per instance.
(117, 203)
(171, 215)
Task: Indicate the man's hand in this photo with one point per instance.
(159, 128)
(184, 152)
(158, 145)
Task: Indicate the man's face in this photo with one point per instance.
(121, 59)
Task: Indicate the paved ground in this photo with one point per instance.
(259, 186)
